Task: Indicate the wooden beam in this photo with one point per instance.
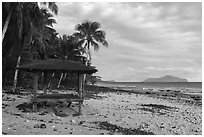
(35, 88)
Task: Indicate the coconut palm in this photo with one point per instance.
(43, 34)
(70, 50)
(20, 22)
(11, 8)
(15, 9)
(90, 34)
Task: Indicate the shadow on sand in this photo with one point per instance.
(104, 125)
(159, 109)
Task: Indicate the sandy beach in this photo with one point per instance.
(105, 112)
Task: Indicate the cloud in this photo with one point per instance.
(164, 37)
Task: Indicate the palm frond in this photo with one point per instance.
(78, 35)
(100, 34)
(50, 22)
(104, 42)
(81, 42)
(95, 26)
(53, 7)
(95, 45)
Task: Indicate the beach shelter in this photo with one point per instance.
(62, 66)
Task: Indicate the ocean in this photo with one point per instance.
(183, 86)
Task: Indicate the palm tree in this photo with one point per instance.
(16, 8)
(69, 50)
(25, 21)
(90, 34)
(43, 34)
(11, 8)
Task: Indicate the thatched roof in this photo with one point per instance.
(58, 65)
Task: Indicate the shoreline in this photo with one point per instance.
(173, 94)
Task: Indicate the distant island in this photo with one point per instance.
(166, 78)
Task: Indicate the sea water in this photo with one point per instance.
(182, 86)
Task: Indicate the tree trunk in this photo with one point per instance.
(86, 64)
(84, 76)
(16, 72)
(65, 76)
(45, 82)
(61, 75)
(6, 24)
(60, 80)
(50, 83)
(3, 71)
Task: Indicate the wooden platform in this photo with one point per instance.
(58, 97)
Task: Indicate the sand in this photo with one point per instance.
(105, 113)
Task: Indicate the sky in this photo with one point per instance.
(146, 40)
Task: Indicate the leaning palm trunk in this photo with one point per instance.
(16, 73)
(50, 83)
(61, 76)
(6, 24)
(65, 75)
(60, 80)
(42, 78)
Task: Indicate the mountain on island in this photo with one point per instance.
(166, 78)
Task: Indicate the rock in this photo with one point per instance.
(55, 129)
(73, 121)
(75, 115)
(105, 116)
(43, 126)
(162, 125)
(37, 126)
(4, 133)
(50, 121)
(81, 122)
(173, 127)
(43, 113)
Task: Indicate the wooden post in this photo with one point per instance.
(45, 82)
(35, 88)
(80, 92)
